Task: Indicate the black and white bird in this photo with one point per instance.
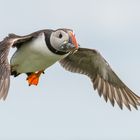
(39, 50)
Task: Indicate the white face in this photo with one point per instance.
(58, 38)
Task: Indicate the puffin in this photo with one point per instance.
(39, 50)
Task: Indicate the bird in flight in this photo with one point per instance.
(39, 50)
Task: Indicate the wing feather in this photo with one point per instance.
(5, 71)
(4, 67)
(104, 79)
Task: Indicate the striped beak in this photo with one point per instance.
(72, 39)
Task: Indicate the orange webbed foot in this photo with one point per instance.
(33, 79)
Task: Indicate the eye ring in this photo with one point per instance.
(60, 35)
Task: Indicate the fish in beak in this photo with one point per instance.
(71, 44)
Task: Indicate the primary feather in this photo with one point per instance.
(104, 79)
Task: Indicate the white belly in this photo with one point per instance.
(33, 56)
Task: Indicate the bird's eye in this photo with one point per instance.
(60, 35)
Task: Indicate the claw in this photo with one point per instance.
(33, 79)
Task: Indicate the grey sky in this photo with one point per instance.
(64, 106)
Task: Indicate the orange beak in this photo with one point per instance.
(73, 39)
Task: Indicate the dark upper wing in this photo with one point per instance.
(10, 41)
(107, 83)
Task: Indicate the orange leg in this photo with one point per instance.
(33, 79)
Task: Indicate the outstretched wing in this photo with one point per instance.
(4, 67)
(107, 83)
(5, 45)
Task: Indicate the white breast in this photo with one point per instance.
(33, 56)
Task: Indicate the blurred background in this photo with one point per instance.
(64, 106)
